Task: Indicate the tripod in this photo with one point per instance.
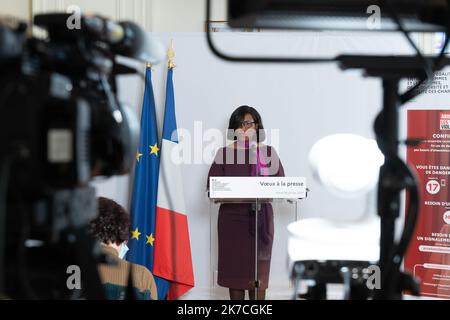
(395, 175)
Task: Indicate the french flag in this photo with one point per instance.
(172, 250)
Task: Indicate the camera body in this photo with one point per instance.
(61, 125)
(61, 117)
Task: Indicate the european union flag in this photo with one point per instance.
(145, 187)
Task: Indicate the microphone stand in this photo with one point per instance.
(394, 174)
(256, 208)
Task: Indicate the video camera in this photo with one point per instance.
(61, 125)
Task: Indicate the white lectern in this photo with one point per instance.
(283, 193)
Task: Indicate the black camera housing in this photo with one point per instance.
(61, 125)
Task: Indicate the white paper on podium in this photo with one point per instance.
(257, 187)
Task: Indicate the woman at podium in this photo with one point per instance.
(246, 156)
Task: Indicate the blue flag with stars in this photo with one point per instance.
(145, 187)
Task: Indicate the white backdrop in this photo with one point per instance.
(305, 102)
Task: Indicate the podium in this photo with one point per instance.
(259, 240)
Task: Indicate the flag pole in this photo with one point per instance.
(171, 56)
(172, 254)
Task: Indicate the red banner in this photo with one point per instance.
(428, 256)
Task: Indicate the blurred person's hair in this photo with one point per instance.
(112, 225)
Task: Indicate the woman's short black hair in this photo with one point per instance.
(238, 116)
(112, 225)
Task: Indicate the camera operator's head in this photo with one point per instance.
(112, 225)
(112, 228)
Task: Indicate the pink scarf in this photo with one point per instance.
(261, 164)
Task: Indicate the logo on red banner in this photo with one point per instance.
(444, 121)
(433, 187)
(447, 217)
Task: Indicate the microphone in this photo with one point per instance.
(127, 39)
(253, 146)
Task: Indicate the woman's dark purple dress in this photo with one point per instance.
(236, 224)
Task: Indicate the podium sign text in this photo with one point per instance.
(257, 187)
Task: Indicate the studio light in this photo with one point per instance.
(417, 15)
(336, 241)
(347, 165)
